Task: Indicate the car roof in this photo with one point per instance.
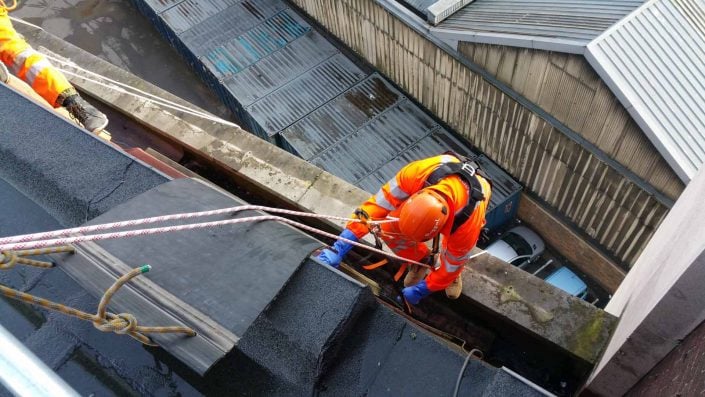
(531, 237)
(568, 281)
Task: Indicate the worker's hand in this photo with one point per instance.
(415, 293)
(334, 255)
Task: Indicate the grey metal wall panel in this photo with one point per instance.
(305, 94)
(341, 117)
(369, 148)
(189, 13)
(433, 144)
(255, 44)
(654, 62)
(161, 5)
(278, 69)
(567, 19)
(229, 23)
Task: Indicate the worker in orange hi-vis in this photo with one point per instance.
(32, 67)
(443, 196)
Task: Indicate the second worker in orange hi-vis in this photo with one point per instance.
(438, 198)
(33, 67)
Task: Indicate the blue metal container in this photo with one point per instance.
(506, 193)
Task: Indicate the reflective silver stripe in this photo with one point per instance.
(450, 268)
(381, 200)
(21, 58)
(396, 191)
(34, 71)
(461, 258)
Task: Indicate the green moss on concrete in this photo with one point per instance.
(589, 340)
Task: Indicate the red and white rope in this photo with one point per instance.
(164, 218)
(39, 240)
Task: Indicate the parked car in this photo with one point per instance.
(518, 246)
(522, 247)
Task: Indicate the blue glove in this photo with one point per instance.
(415, 293)
(332, 256)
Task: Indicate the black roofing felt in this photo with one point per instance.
(72, 174)
(230, 273)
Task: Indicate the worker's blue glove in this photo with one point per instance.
(415, 293)
(334, 255)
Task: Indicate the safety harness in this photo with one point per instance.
(467, 169)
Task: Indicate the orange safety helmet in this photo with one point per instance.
(423, 215)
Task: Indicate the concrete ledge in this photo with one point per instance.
(530, 303)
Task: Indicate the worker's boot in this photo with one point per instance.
(414, 276)
(90, 118)
(453, 291)
(4, 74)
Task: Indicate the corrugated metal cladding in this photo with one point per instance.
(654, 61)
(291, 86)
(562, 19)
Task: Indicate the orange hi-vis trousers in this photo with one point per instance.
(29, 65)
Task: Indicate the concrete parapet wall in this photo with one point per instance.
(600, 197)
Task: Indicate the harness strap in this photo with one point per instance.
(468, 171)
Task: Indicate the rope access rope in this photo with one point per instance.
(167, 229)
(123, 323)
(146, 96)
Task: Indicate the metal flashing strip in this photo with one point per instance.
(420, 27)
(567, 46)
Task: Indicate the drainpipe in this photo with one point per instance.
(23, 374)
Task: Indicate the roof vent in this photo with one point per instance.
(442, 9)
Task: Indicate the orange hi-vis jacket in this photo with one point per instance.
(28, 64)
(456, 246)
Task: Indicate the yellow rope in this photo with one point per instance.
(123, 323)
(10, 258)
(8, 8)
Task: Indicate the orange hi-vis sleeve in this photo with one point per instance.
(28, 64)
(392, 194)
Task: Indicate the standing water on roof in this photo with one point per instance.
(116, 32)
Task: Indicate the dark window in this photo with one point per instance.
(518, 244)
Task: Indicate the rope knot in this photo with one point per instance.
(9, 259)
(123, 323)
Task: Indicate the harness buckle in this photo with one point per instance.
(467, 167)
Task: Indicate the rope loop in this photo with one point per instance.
(9, 259)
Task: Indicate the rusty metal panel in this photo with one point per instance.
(305, 94)
(366, 150)
(341, 117)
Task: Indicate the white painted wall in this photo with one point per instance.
(661, 300)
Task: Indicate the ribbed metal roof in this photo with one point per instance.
(574, 21)
(654, 61)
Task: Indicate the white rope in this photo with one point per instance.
(168, 229)
(171, 217)
(143, 95)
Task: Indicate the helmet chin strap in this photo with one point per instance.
(434, 251)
